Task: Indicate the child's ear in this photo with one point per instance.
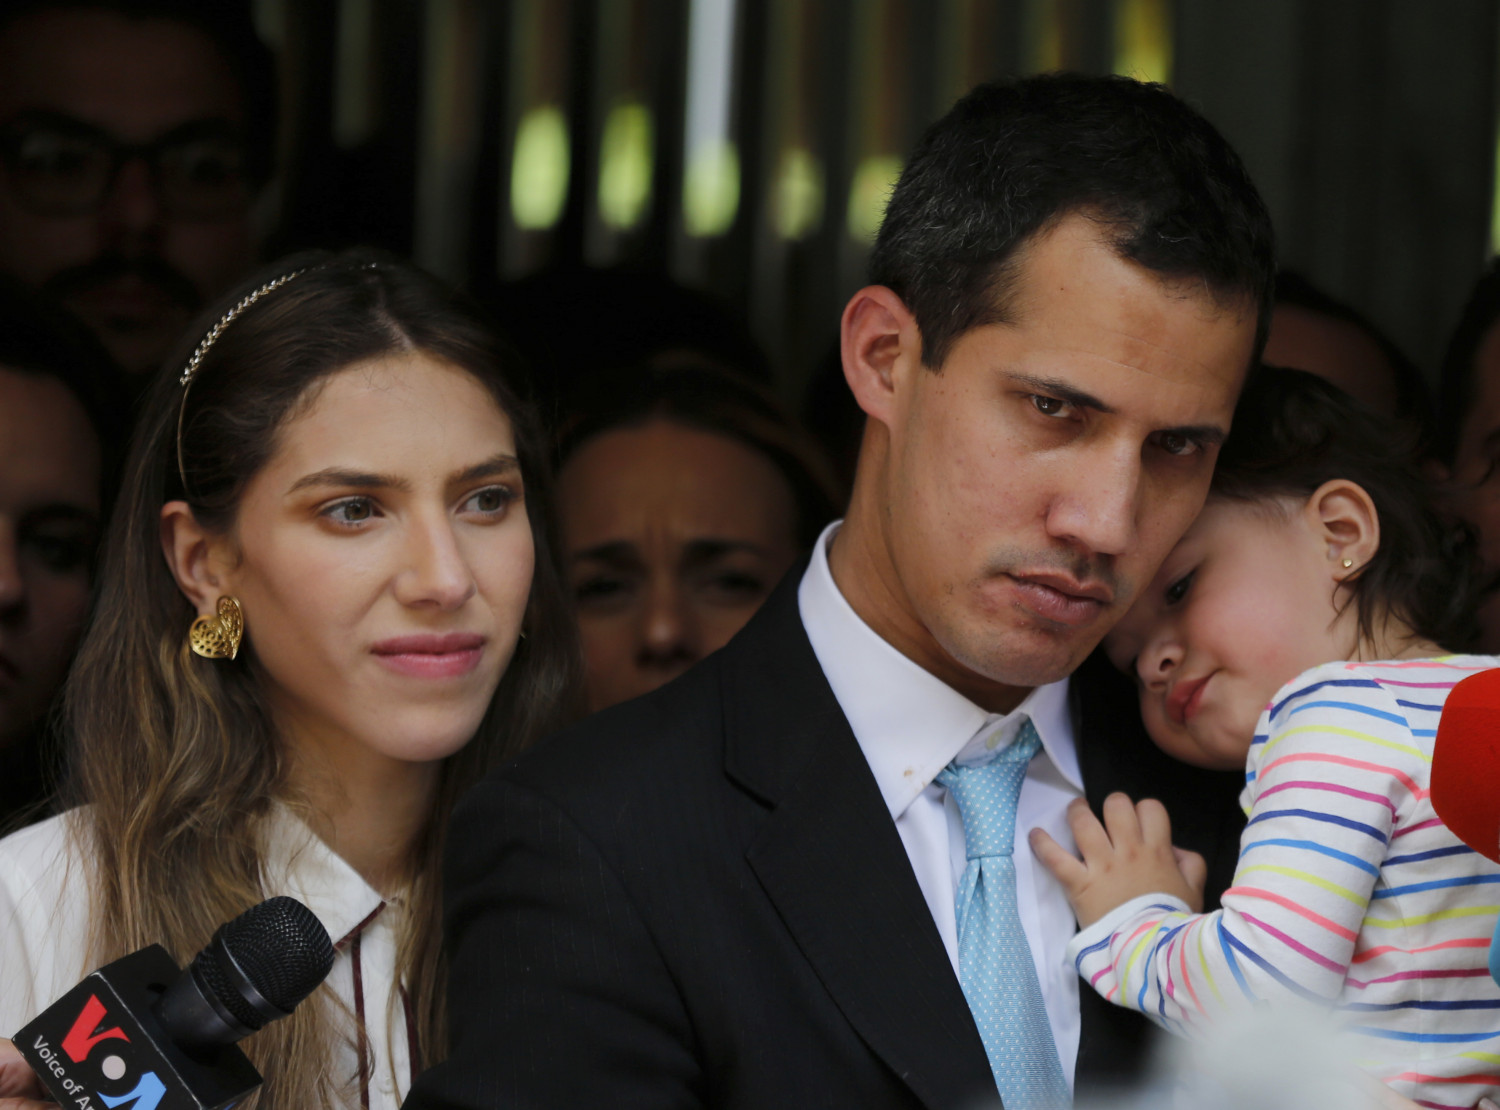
(1343, 517)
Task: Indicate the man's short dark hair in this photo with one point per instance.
(231, 27)
(1456, 381)
(1013, 157)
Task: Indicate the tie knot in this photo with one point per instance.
(987, 795)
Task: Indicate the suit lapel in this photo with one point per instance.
(832, 863)
(1115, 753)
(1114, 1043)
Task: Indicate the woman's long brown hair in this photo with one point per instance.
(173, 756)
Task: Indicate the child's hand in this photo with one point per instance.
(1130, 854)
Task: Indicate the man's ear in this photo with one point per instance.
(1344, 519)
(194, 556)
(880, 342)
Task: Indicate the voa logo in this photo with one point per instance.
(89, 1034)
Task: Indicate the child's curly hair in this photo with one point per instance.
(1294, 431)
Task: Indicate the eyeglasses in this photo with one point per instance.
(59, 166)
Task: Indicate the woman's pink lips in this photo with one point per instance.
(430, 656)
(1184, 699)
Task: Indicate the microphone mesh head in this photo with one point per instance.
(216, 980)
(283, 950)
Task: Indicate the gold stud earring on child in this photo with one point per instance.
(1348, 563)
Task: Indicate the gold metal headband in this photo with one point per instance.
(191, 370)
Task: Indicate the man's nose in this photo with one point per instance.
(1098, 502)
(132, 211)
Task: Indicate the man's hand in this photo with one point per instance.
(20, 1089)
(1130, 854)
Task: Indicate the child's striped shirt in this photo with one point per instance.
(1349, 890)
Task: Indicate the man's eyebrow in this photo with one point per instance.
(47, 117)
(1210, 435)
(1055, 387)
(1207, 434)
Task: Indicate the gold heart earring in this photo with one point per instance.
(218, 635)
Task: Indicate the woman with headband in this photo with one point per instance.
(327, 606)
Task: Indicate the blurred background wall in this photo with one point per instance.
(746, 146)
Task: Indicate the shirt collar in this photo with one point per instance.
(298, 863)
(909, 723)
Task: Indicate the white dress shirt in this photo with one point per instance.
(910, 725)
(44, 921)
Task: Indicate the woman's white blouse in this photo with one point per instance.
(44, 894)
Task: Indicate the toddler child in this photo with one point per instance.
(1296, 631)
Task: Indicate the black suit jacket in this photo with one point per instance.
(698, 899)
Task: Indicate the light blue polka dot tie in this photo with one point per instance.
(994, 961)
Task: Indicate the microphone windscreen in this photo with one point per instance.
(279, 946)
(1466, 763)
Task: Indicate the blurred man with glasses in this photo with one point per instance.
(134, 138)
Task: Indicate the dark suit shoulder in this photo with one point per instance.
(630, 752)
(738, 726)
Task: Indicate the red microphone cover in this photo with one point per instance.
(1466, 763)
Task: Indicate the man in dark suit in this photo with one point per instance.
(764, 885)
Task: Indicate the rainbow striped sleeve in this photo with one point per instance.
(1350, 891)
(1337, 769)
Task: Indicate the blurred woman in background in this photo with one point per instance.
(684, 495)
(64, 415)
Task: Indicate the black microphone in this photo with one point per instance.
(142, 1034)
